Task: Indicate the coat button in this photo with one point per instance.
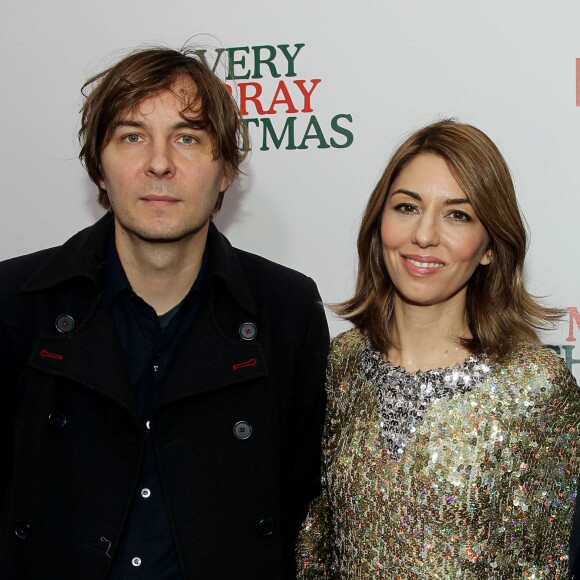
(248, 331)
(242, 430)
(57, 420)
(64, 323)
(21, 529)
(266, 527)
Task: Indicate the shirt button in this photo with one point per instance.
(145, 492)
(136, 562)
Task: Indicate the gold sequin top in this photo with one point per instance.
(468, 474)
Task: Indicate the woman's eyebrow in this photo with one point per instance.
(457, 201)
(407, 192)
(416, 196)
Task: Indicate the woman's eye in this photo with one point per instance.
(460, 216)
(405, 208)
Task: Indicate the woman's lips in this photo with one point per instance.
(422, 264)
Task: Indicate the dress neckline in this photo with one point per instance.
(404, 397)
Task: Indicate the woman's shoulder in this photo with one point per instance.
(348, 343)
(536, 361)
(345, 355)
(344, 376)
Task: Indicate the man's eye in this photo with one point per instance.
(133, 138)
(187, 139)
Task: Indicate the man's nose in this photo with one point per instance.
(160, 160)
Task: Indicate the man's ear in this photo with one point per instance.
(225, 182)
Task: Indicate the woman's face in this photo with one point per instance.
(432, 239)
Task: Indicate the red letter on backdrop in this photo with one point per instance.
(578, 82)
(574, 318)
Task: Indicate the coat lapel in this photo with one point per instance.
(210, 359)
(91, 356)
(213, 354)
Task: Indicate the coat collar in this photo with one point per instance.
(225, 265)
(87, 354)
(83, 255)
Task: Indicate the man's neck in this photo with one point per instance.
(161, 273)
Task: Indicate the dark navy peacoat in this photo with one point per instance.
(72, 447)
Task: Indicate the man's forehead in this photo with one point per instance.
(182, 93)
(184, 87)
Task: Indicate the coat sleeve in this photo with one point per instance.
(8, 390)
(307, 416)
(314, 549)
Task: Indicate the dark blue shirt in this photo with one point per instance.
(150, 343)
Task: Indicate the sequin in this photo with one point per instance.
(469, 472)
(403, 397)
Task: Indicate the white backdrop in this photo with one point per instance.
(385, 67)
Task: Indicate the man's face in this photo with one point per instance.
(159, 171)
